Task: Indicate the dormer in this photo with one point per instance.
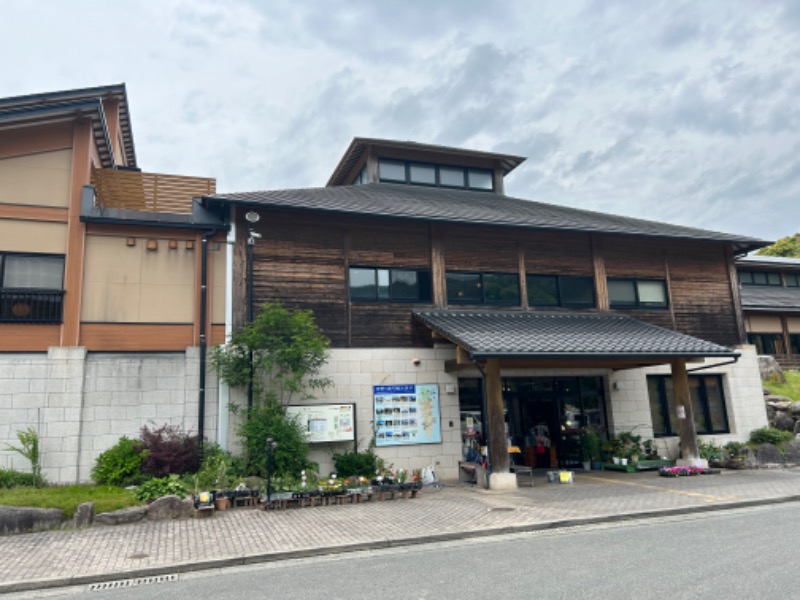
(369, 160)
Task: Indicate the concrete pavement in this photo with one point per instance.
(246, 536)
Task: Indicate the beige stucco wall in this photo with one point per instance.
(793, 324)
(33, 236)
(216, 260)
(38, 179)
(763, 324)
(130, 284)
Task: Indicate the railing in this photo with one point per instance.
(31, 306)
(788, 361)
(153, 192)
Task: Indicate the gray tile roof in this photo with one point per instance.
(563, 335)
(768, 297)
(463, 206)
(768, 261)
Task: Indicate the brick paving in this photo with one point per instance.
(245, 535)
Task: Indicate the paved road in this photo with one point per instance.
(745, 553)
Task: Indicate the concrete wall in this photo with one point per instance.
(82, 404)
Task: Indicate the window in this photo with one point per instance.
(361, 178)
(767, 343)
(483, 288)
(31, 287)
(794, 340)
(708, 405)
(637, 293)
(398, 171)
(391, 285)
(560, 290)
(792, 279)
(760, 278)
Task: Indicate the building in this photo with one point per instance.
(770, 292)
(428, 279)
(101, 265)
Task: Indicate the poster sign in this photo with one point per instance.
(681, 412)
(325, 422)
(407, 414)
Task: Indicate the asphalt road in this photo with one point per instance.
(746, 553)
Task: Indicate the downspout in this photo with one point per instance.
(223, 391)
(201, 393)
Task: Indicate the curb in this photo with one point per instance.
(220, 563)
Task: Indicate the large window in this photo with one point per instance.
(760, 278)
(708, 405)
(483, 288)
(637, 293)
(767, 343)
(399, 171)
(389, 285)
(31, 287)
(560, 290)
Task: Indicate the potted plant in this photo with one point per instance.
(221, 500)
(590, 448)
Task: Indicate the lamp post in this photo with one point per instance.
(252, 218)
(271, 445)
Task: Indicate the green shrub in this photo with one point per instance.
(709, 450)
(270, 421)
(29, 448)
(120, 465)
(356, 463)
(734, 450)
(10, 478)
(156, 488)
(770, 435)
(217, 469)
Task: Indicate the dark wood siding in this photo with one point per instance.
(550, 253)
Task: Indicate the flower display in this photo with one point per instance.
(679, 471)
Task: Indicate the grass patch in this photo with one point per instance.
(106, 498)
(790, 389)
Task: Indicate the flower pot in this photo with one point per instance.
(616, 460)
(623, 461)
(222, 503)
(587, 465)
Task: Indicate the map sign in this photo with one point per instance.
(325, 422)
(407, 414)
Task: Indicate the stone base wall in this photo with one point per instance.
(81, 404)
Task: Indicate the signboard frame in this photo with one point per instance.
(401, 414)
(320, 419)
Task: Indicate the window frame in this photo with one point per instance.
(560, 279)
(637, 305)
(748, 277)
(663, 404)
(482, 286)
(57, 314)
(421, 287)
(465, 173)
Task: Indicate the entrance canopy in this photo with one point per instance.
(527, 339)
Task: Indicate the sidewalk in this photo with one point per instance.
(243, 536)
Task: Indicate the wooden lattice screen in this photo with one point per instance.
(154, 192)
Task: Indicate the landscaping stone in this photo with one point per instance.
(84, 515)
(768, 454)
(170, 507)
(783, 422)
(15, 519)
(794, 410)
(124, 516)
(770, 369)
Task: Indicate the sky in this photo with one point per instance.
(680, 111)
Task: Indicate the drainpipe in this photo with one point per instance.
(201, 393)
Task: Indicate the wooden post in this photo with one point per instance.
(438, 274)
(683, 403)
(498, 452)
(599, 268)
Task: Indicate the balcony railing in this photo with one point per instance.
(152, 192)
(31, 306)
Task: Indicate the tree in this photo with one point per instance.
(788, 246)
(288, 352)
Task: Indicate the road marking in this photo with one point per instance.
(704, 497)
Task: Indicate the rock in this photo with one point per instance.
(792, 451)
(124, 516)
(170, 507)
(15, 519)
(784, 422)
(768, 454)
(796, 428)
(794, 410)
(771, 412)
(770, 369)
(778, 402)
(84, 515)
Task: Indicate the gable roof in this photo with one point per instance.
(506, 334)
(67, 104)
(766, 298)
(359, 145)
(469, 207)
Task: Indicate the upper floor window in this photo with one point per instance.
(361, 178)
(390, 285)
(399, 171)
(31, 287)
(560, 290)
(760, 278)
(792, 279)
(637, 293)
(483, 288)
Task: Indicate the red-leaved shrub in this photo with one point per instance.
(169, 450)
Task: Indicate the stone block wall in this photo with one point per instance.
(81, 404)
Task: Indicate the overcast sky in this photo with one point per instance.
(686, 112)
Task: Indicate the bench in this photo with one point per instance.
(522, 470)
(475, 472)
